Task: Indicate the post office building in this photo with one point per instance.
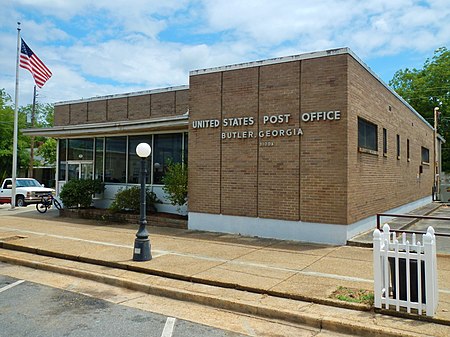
(307, 147)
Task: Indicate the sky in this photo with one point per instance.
(106, 47)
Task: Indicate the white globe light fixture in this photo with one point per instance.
(142, 247)
(143, 150)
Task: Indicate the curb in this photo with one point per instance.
(192, 279)
(218, 284)
(314, 320)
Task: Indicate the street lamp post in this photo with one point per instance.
(142, 250)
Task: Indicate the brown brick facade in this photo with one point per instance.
(377, 183)
(123, 108)
(320, 176)
(278, 173)
(204, 160)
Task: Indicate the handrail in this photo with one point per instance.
(420, 217)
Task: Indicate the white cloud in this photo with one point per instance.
(370, 27)
(135, 45)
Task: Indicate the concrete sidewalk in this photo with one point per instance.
(275, 278)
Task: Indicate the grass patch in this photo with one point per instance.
(353, 295)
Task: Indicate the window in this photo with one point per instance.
(62, 159)
(407, 150)
(115, 159)
(81, 149)
(134, 161)
(7, 185)
(98, 163)
(185, 159)
(425, 155)
(384, 141)
(367, 135)
(398, 146)
(165, 147)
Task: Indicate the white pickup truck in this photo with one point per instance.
(28, 191)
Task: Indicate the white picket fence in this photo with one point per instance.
(405, 273)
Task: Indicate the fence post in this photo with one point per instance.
(386, 240)
(377, 274)
(430, 272)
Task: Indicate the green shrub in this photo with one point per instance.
(79, 193)
(175, 183)
(129, 200)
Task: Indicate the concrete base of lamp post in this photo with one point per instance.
(142, 250)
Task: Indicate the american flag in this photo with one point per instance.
(30, 61)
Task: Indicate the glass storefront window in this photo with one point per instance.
(98, 170)
(166, 147)
(62, 154)
(185, 158)
(134, 162)
(115, 159)
(112, 157)
(81, 149)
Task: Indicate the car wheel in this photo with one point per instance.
(20, 201)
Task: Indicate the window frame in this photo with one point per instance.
(408, 152)
(366, 132)
(426, 162)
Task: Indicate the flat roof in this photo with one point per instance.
(130, 94)
(304, 56)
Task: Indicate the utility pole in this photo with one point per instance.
(436, 153)
(33, 109)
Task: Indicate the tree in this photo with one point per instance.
(43, 118)
(175, 182)
(47, 150)
(427, 88)
(7, 135)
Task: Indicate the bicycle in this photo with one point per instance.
(46, 203)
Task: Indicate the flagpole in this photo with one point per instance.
(16, 125)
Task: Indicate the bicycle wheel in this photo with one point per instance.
(57, 204)
(41, 208)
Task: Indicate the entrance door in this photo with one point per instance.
(80, 170)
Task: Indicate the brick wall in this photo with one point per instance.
(377, 182)
(289, 178)
(62, 115)
(323, 164)
(320, 176)
(278, 165)
(117, 109)
(204, 159)
(239, 156)
(137, 107)
(162, 104)
(181, 102)
(97, 111)
(78, 113)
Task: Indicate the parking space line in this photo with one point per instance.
(9, 286)
(168, 328)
